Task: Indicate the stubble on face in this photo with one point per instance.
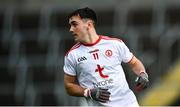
(78, 28)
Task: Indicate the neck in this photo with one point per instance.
(92, 37)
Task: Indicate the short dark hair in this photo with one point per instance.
(85, 13)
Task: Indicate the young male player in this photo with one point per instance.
(92, 67)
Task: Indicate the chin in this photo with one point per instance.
(76, 40)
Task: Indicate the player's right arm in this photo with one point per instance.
(72, 87)
(70, 79)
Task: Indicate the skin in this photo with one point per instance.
(83, 31)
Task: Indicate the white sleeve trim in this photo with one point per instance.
(68, 73)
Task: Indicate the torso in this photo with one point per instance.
(99, 65)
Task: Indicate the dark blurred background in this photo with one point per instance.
(34, 36)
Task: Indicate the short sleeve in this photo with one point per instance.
(125, 53)
(69, 66)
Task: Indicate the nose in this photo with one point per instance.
(71, 29)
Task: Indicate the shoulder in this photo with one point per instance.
(111, 38)
(76, 46)
(117, 42)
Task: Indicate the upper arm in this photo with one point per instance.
(69, 66)
(72, 87)
(132, 61)
(68, 79)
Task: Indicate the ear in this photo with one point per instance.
(89, 23)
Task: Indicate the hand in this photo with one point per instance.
(98, 94)
(142, 81)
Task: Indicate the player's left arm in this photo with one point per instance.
(136, 65)
(138, 68)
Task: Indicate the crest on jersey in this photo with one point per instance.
(108, 53)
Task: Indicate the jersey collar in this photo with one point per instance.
(92, 44)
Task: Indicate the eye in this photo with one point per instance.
(74, 24)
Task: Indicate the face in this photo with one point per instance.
(78, 28)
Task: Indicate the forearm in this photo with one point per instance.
(74, 90)
(137, 66)
(72, 87)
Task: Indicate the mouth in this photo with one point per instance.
(74, 34)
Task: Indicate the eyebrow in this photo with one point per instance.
(73, 22)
